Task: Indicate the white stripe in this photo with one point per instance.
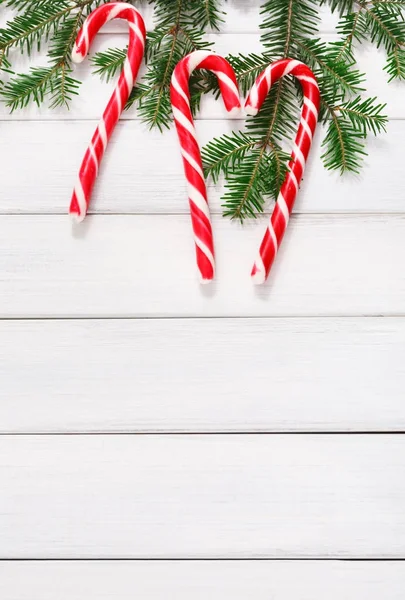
(199, 200)
(103, 133)
(94, 156)
(81, 200)
(294, 179)
(227, 81)
(118, 99)
(179, 89)
(273, 237)
(192, 162)
(253, 100)
(307, 128)
(115, 11)
(291, 66)
(205, 250)
(79, 56)
(86, 36)
(129, 76)
(308, 79)
(195, 58)
(137, 32)
(299, 156)
(268, 74)
(259, 264)
(182, 119)
(283, 207)
(311, 106)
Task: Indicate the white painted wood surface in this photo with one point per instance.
(307, 375)
(202, 580)
(212, 496)
(128, 182)
(104, 330)
(144, 266)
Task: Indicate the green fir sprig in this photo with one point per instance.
(253, 161)
(290, 29)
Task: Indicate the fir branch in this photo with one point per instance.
(395, 66)
(255, 175)
(348, 128)
(257, 179)
(285, 21)
(352, 27)
(340, 6)
(387, 27)
(246, 187)
(365, 116)
(109, 63)
(34, 26)
(344, 151)
(381, 21)
(207, 13)
(54, 81)
(223, 154)
(336, 77)
(39, 83)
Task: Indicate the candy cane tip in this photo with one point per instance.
(77, 57)
(258, 277)
(236, 111)
(204, 281)
(251, 111)
(76, 217)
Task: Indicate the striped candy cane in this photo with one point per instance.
(137, 34)
(197, 192)
(302, 145)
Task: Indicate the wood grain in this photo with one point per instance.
(202, 375)
(217, 496)
(142, 172)
(144, 266)
(207, 580)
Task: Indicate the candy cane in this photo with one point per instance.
(302, 145)
(137, 34)
(197, 192)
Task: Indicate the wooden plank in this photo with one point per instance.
(205, 580)
(128, 181)
(308, 496)
(94, 93)
(213, 375)
(144, 266)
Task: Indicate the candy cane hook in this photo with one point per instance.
(197, 191)
(302, 145)
(137, 34)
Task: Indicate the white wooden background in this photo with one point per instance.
(162, 440)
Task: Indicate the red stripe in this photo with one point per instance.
(202, 226)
